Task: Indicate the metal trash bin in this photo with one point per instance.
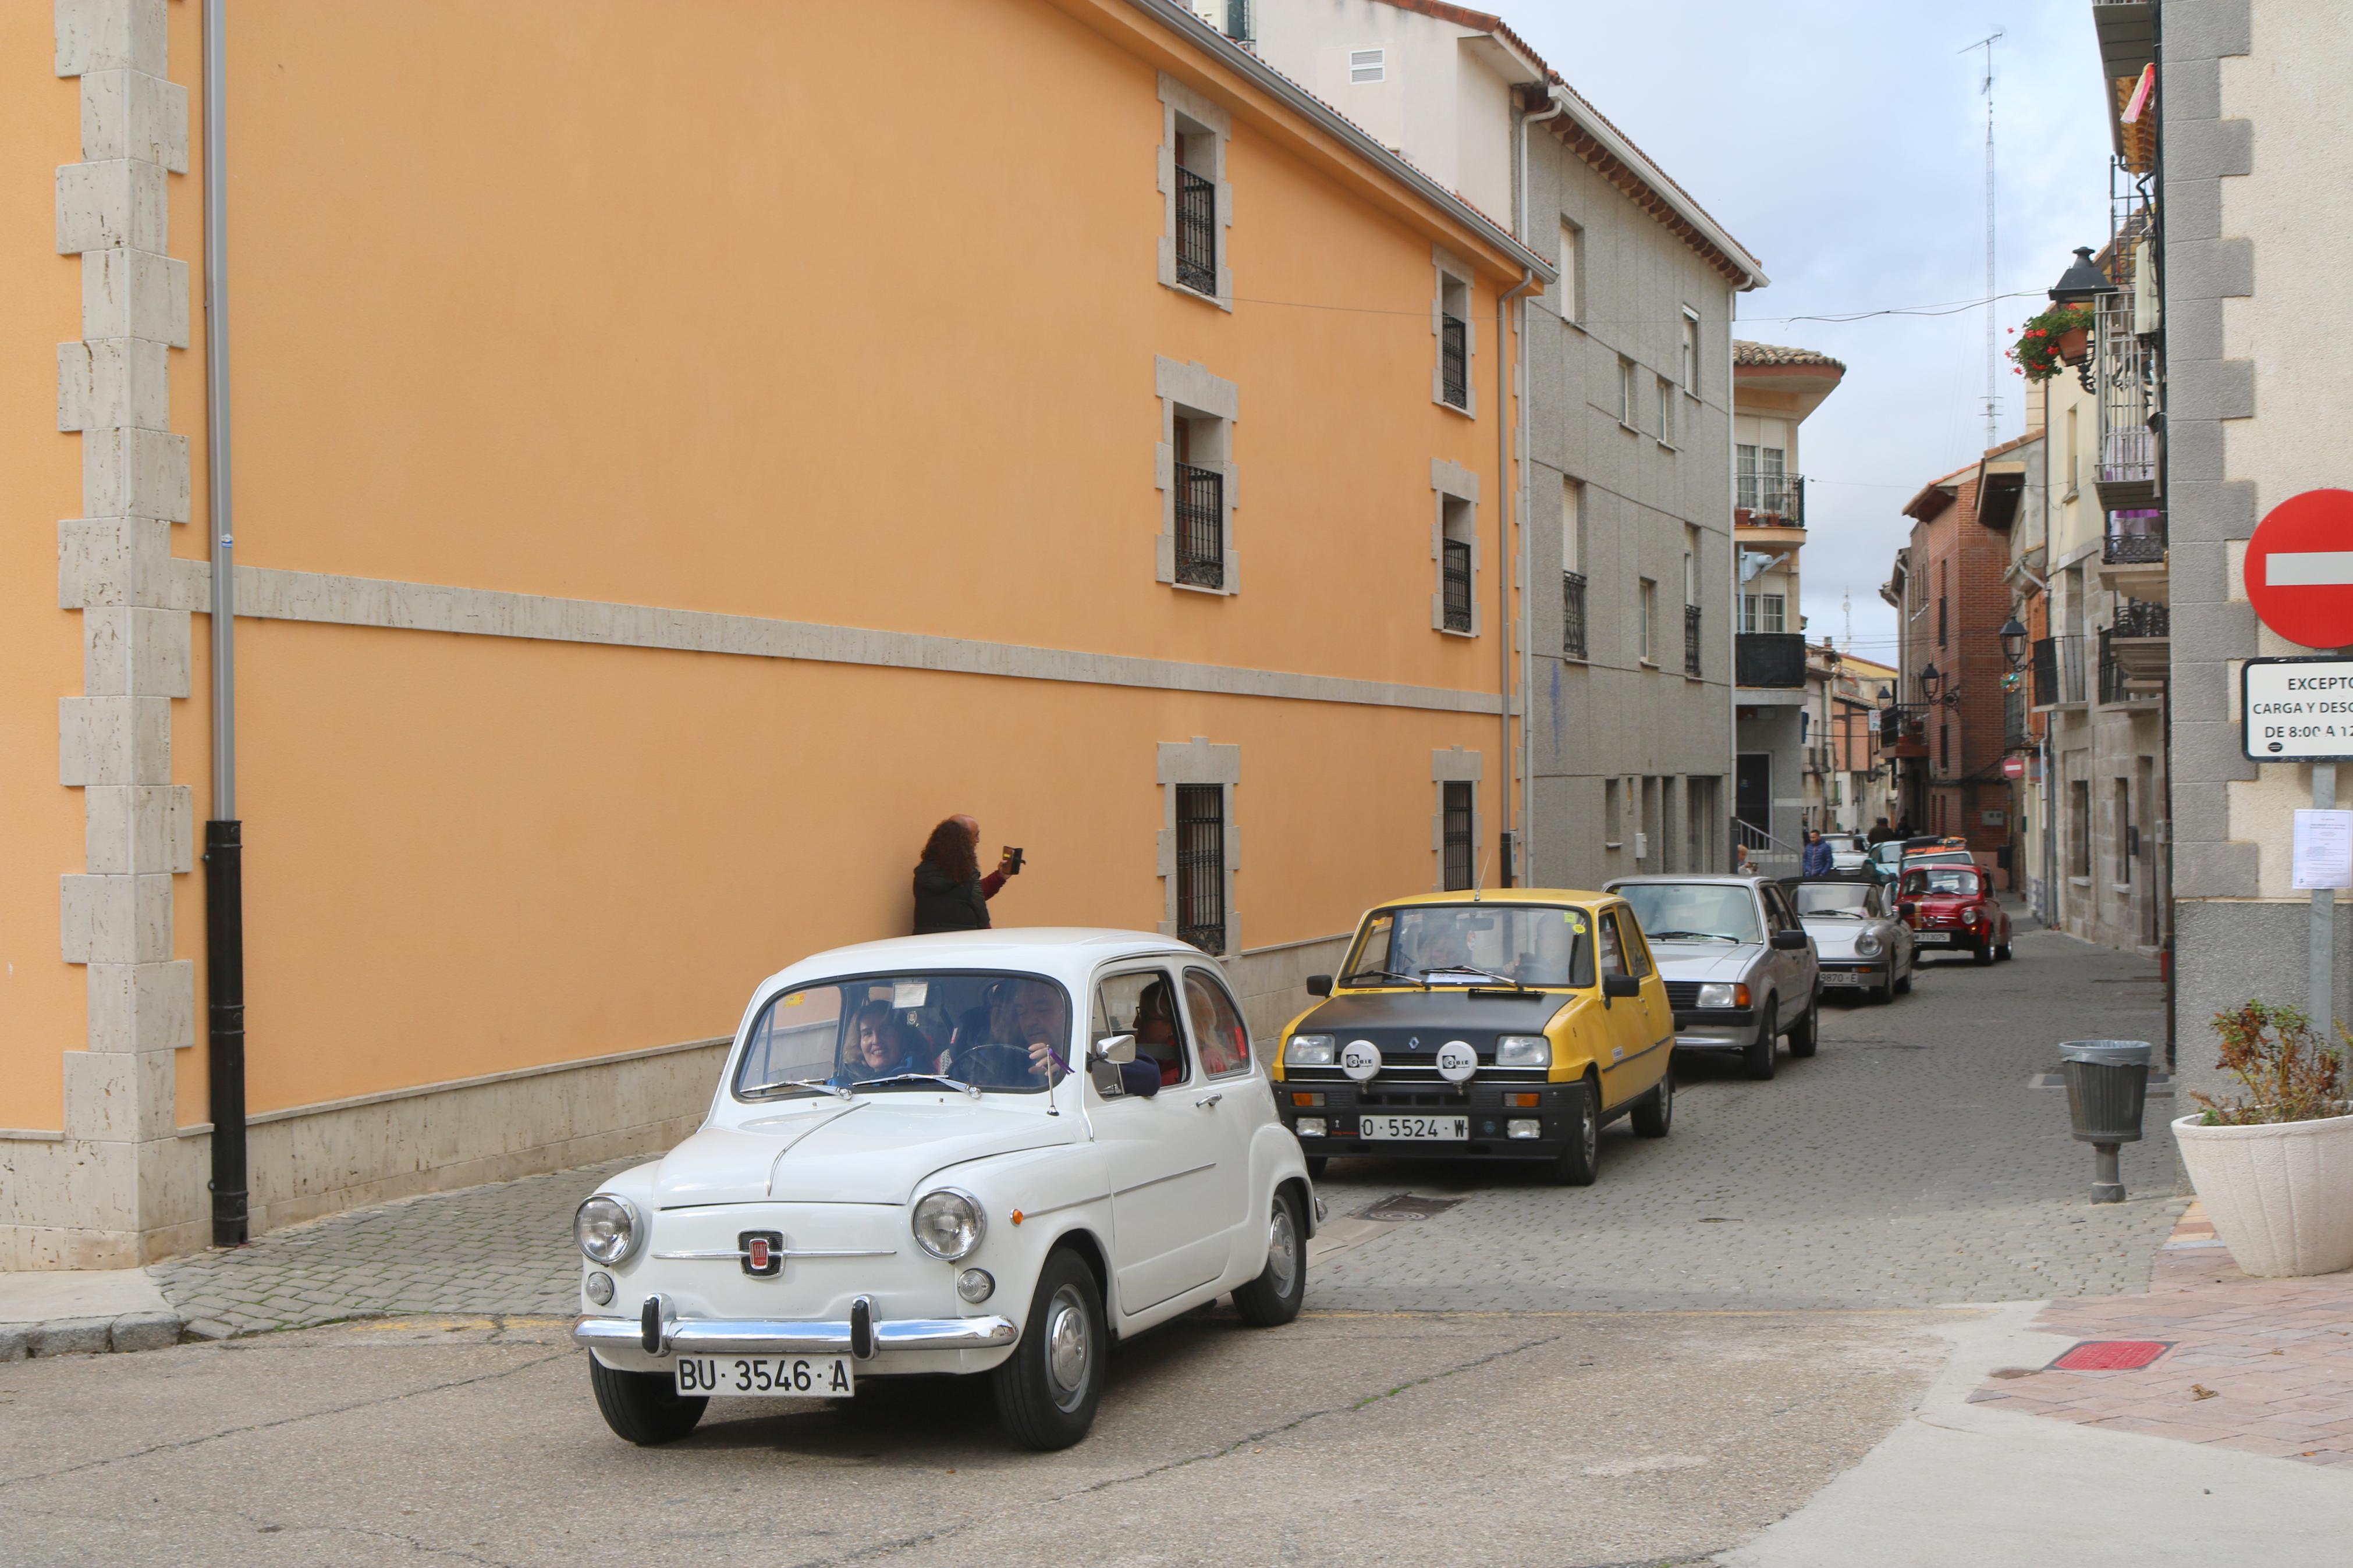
(2108, 1089)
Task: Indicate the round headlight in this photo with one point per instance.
(1969, 917)
(1309, 1051)
(606, 1228)
(1523, 1051)
(1866, 945)
(948, 1224)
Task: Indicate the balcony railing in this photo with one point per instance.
(1691, 640)
(2134, 539)
(1454, 361)
(1455, 567)
(2124, 370)
(1201, 527)
(1572, 614)
(2058, 670)
(1769, 659)
(1770, 500)
(1196, 231)
(2136, 619)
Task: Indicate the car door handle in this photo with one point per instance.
(1207, 1101)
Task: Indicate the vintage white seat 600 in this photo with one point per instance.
(987, 1152)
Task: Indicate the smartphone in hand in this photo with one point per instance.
(1013, 861)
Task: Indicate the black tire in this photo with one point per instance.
(1578, 1164)
(1884, 992)
(1807, 1032)
(1655, 1116)
(1047, 1390)
(1763, 1052)
(2002, 952)
(1315, 1163)
(1903, 986)
(1983, 955)
(1274, 1297)
(643, 1407)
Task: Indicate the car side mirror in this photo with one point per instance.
(1907, 908)
(1789, 940)
(1319, 985)
(1621, 985)
(1117, 1049)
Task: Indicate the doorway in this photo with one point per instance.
(1752, 790)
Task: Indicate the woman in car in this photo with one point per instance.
(879, 1046)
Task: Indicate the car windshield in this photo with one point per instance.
(1941, 880)
(1695, 911)
(1475, 944)
(1834, 899)
(1846, 843)
(885, 1033)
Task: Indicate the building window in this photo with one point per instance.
(1197, 203)
(1459, 842)
(1647, 609)
(1237, 19)
(1454, 549)
(1572, 569)
(2079, 828)
(1455, 571)
(1368, 65)
(1572, 615)
(1764, 613)
(1451, 323)
(1666, 412)
(1195, 473)
(1572, 272)
(1201, 865)
(1940, 620)
(1613, 829)
(1626, 393)
(2122, 836)
(1689, 366)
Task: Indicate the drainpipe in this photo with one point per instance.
(223, 836)
(1527, 760)
(1503, 556)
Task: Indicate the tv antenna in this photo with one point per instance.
(1992, 359)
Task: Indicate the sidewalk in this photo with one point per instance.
(72, 1312)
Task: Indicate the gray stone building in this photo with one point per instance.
(1626, 599)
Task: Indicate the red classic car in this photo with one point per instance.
(1954, 906)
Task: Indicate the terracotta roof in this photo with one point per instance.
(1773, 353)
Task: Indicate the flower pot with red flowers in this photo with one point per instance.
(2073, 344)
(2059, 337)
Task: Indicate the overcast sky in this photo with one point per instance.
(1843, 143)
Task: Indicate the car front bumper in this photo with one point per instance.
(1715, 1028)
(1489, 1136)
(659, 1332)
(1863, 975)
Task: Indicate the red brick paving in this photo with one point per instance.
(2265, 1366)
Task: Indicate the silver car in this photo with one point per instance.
(1739, 967)
(1859, 940)
(1848, 851)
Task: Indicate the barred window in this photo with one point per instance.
(1201, 866)
(1458, 831)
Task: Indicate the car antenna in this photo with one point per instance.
(1477, 877)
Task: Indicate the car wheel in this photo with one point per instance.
(2002, 952)
(1760, 1056)
(1315, 1163)
(1984, 953)
(1273, 1298)
(1047, 1388)
(643, 1407)
(1579, 1163)
(1807, 1032)
(1905, 984)
(1884, 992)
(1655, 1117)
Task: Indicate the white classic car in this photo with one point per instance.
(986, 1152)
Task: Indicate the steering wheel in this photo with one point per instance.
(993, 1067)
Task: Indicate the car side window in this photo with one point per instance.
(1219, 1033)
(1613, 961)
(1142, 1002)
(1637, 951)
(1777, 913)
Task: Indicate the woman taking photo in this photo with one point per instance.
(950, 892)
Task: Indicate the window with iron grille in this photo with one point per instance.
(1940, 620)
(1457, 568)
(1458, 801)
(1201, 866)
(1201, 527)
(1454, 351)
(1196, 231)
(1691, 640)
(1572, 614)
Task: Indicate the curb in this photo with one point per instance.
(89, 1336)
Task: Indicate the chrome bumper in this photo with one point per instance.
(753, 1336)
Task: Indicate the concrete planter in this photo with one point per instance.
(2280, 1195)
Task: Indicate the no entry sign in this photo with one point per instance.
(2297, 709)
(2013, 767)
(2300, 569)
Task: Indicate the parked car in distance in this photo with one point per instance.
(1848, 850)
(1954, 906)
(1739, 967)
(1509, 1024)
(1858, 940)
(986, 1152)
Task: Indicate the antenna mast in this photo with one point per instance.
(1992, 358)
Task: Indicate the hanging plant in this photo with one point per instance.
(2051, 340)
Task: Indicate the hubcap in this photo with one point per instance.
(1588, 1130)
(1281, 1250)
(1066, 1347)
(1667, 1095)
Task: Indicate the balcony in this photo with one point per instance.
(2058, 666)
(2124, 368)
(1770, 507)
(1572, 615)
(2136, 652)
(1769, 660)
(1691, 640)
(2133, 556)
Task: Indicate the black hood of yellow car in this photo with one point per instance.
(1405, 1022)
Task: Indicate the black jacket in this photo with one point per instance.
(941, 903)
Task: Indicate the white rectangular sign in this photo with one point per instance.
(2297, 709)
(2324, 850)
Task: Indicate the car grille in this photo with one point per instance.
(1682, 992)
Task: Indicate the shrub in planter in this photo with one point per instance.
(2273, 1164)
(2051, 340)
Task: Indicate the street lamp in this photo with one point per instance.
(2082, 283)
(2013, 642)
(1930, 678)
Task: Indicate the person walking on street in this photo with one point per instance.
(1880, 832)
(1818, 860)
(950, 892)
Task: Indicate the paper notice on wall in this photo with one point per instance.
(2324, 850)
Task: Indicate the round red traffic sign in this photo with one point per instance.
(2013, 767)
(2300, 569)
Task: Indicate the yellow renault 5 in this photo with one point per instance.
(1511, 1024)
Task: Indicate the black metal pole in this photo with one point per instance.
(225, 986)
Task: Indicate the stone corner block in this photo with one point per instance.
(102, 35)
(121, 1097)
(137, 829)
(134, 473)
(124, 560)
(73, 387)
(134, 114)
(145, 1331)
(135, 294)
(2231, 868)
(116, 920)
(70, 1336)
(135, 651)
(111, 203)
(114, 741)
(142, 1007)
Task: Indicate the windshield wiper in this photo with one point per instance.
(914, 1077)
(1692, 936)
(832, 1088)
(1384, 974)
(1841, 914)
(1482, 974)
